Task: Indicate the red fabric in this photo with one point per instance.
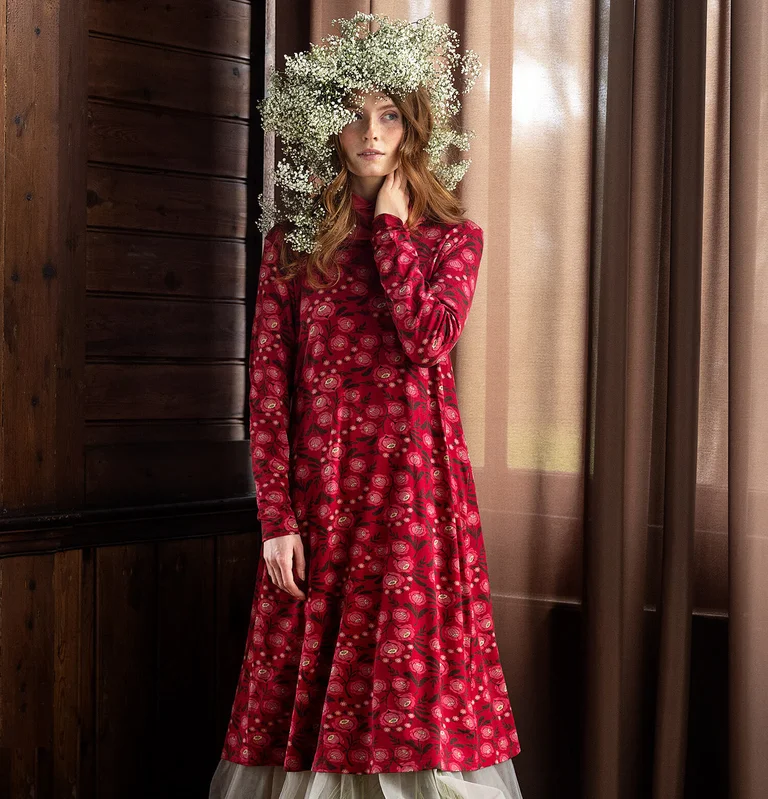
(390, 664)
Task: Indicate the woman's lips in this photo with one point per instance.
(371, 156)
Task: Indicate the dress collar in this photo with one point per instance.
(361, 203)
(364, 210)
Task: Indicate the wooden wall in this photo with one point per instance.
(119, 663)
(128, 535)
(125, 216)
(165, 340)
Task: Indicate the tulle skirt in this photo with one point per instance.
(235, 781)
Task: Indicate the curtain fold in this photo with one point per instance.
(748, 402)
(615, 508)
(612, 384)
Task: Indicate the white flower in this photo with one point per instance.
(305, 106)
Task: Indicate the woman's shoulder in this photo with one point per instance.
(276, 234)
(274, 242)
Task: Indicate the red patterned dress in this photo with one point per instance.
(390, 664)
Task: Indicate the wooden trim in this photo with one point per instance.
(38, 534)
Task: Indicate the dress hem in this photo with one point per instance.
(512, 755)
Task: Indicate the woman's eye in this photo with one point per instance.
(390, 115)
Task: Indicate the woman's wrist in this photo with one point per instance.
(385, 220)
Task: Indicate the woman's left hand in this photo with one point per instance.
(393, 196)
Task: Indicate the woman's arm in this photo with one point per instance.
(272, 361)
(429, 316)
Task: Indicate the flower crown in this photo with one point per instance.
(307, 104)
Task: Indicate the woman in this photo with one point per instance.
(371, 668)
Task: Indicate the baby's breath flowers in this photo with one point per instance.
(309, 101)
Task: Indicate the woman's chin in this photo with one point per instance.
(372, 170)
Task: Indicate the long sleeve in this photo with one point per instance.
(271, 370)
(429, 316)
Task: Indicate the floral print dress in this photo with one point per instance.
(390, 664)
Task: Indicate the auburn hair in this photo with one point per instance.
(428, 197)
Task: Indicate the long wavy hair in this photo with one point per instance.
(428, 197)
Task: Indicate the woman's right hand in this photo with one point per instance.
(279, 555)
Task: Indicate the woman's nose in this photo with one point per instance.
(371, 130)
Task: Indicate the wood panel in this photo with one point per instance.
(149, 75)
(73, 701)
(164, 391)
(186, 677)
(218, 26)
(168, 140)
(105, 649)
(27, 669)
(42, 254)
(164, 265)
(112, 665)
(173, 471)
(93, 527)
(106, 433)
(129, 744)
(120, 327)
(157, 108)
(134, 200)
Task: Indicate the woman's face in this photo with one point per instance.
(371, 143)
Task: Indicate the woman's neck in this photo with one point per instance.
(366, 187)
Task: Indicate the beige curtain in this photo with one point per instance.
(613, 379)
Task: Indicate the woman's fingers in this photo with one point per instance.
(298, 551)
(290, 586)
(279, 561)
(284, 575)
(393, 197)
(297, 556)
(277, 571)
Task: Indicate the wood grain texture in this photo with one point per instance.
(107, 433)
(109, 613)
(109, 653)
(155, 76)
(168, 140)
(187, 661)
(120, 327)
(27, 669)
(216, 26)
(42, 255)
(165, 265)
(174, 471)
(163, 391)
(72, 663)
(126, 677)
(201, 206)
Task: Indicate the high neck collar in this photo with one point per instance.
(361, 204)
(364, 210)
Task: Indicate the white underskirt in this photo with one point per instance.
(235, 781)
